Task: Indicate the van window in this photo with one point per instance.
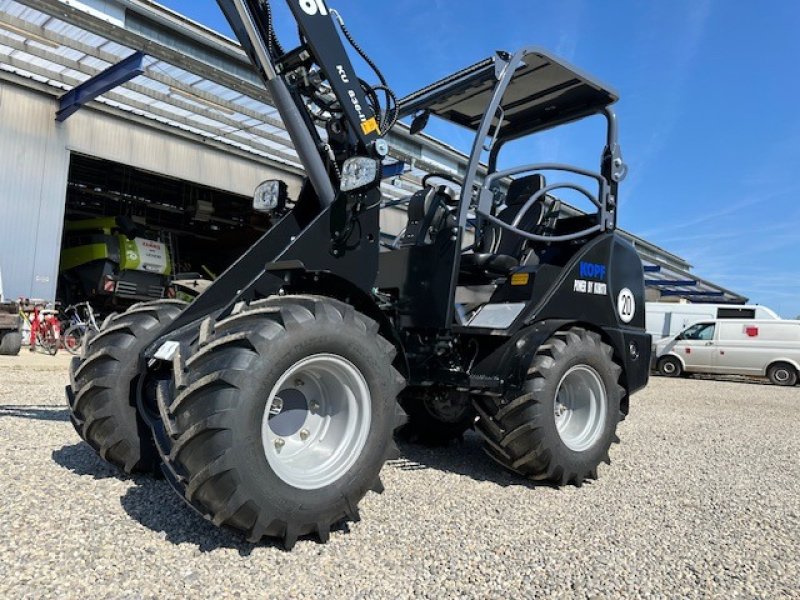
(703, 332)
(736, 313)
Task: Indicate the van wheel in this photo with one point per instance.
(783, 374)
(669, 366)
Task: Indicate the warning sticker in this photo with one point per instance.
(369, 126)
(520, 278)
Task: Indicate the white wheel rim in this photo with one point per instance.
(316, 421)
(580, 408)
(782, 375)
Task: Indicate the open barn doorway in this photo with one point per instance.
(129, 234)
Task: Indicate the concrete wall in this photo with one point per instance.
(34, 165)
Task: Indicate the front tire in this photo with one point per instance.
(783, 374)
(101, 396)
(282, 419)
(669, 366)
(561, 425)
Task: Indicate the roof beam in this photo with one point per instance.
(152, 72)
(217, 66)
(678, 293)
(99, 84)
(178, 122)
(51, 90)
(162, 50)
(673, 283)
(192, 125)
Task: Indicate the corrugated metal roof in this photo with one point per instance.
(42, 47)
(46, 48)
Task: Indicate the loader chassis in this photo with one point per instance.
(269, 403)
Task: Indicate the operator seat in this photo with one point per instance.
(501, 250)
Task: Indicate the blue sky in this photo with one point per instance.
(709, 116)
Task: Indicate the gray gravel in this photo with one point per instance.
(703, 500)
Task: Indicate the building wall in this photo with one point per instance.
(35, 152)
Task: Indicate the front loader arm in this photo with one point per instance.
(320, 65)
(328, 52)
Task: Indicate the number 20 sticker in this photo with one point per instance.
(626, 305)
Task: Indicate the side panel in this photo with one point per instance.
(749, 348)
(587, 292)
(603, 283)
(603, 286)
(423, 276)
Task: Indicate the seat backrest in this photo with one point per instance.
(497, 240)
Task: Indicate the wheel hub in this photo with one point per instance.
(580, 408)
(316, 421)
(288, 412)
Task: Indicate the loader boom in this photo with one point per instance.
(320, 66)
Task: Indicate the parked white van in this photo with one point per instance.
(762, 348)
(665, 319)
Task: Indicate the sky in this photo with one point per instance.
(709, 111)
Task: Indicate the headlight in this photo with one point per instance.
(360, 172)
(270, 196)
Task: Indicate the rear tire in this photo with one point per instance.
(223, 452)
(783, 374)
(561, 425)
(669, 366)
(436, 415)
(102, 400)
(73, 339)
(10, 343)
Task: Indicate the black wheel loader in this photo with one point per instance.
(271, 401)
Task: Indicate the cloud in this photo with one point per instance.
(736, 208)
(687, 43)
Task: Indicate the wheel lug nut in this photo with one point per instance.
(304, 434)
(298, 383)
(314, 406)
(280, 443)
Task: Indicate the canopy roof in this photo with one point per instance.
(544, 91)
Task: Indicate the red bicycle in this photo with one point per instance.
(45, 329)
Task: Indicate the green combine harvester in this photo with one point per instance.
(112, 261)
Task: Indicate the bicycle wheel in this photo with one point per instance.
(73, 338)
(48, 342)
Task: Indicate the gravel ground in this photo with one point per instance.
(702, 500)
